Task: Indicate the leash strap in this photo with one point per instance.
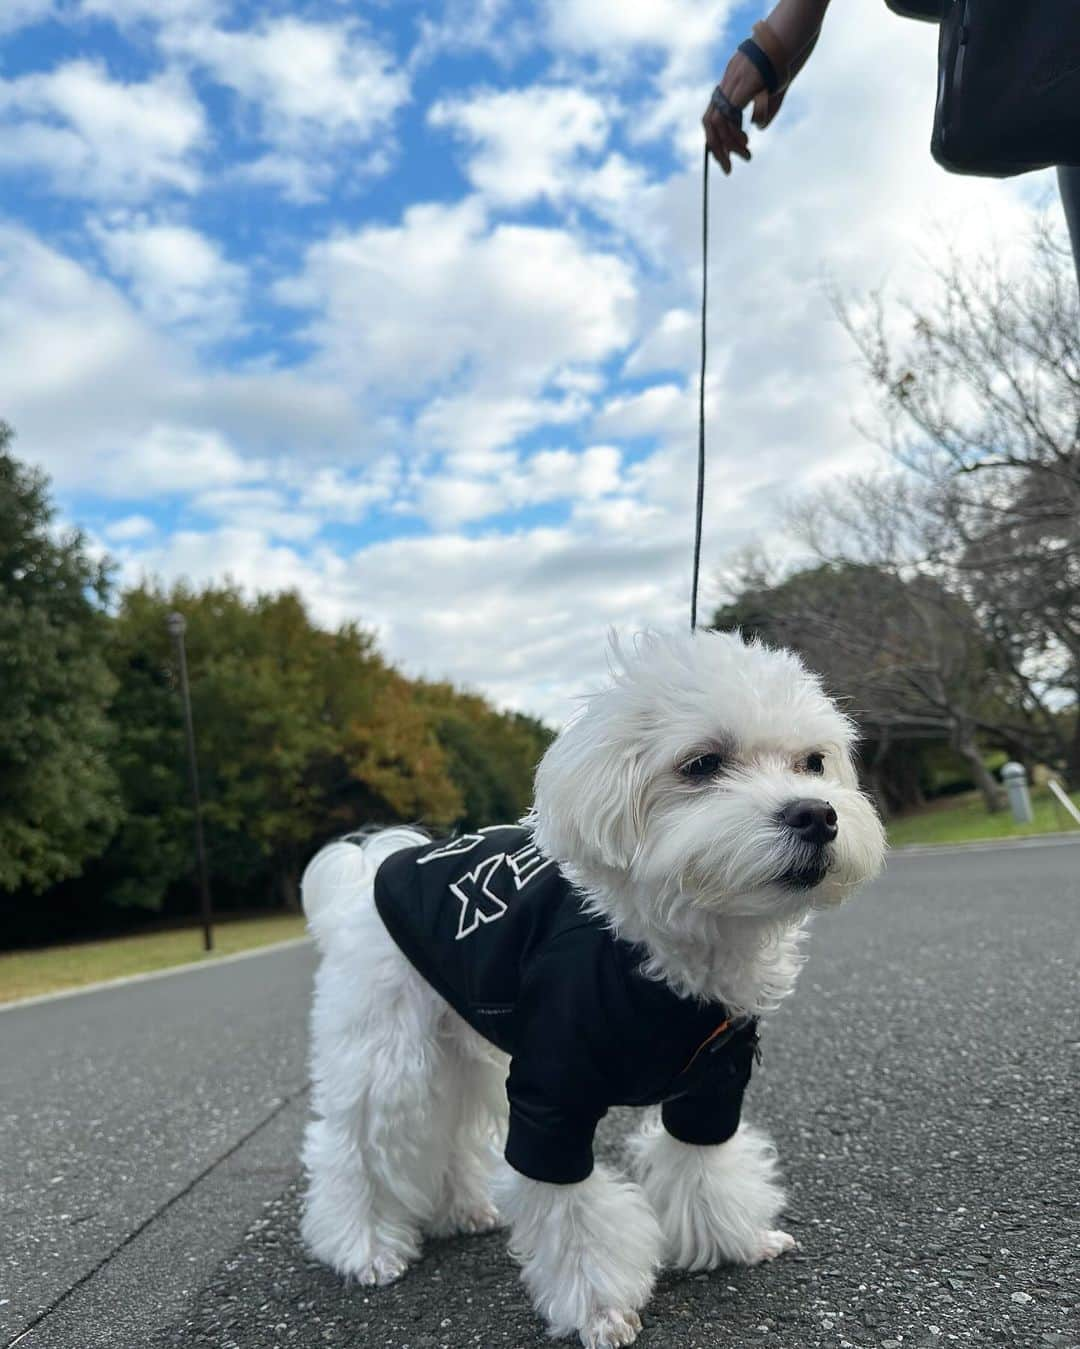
(701, 393)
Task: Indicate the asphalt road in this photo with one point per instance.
(922, 1086)
(115, 1103)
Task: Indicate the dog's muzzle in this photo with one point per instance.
(813, 824)
(810, 820)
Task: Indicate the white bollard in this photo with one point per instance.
(1014, 776)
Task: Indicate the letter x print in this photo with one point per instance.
(478, 903)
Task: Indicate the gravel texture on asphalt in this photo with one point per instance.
(117, 1101)
(921, 1086)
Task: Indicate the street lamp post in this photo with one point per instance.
(177, 625)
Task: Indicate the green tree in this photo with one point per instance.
(301, 733)
(386, 764)
(492, 755)
(58, 799)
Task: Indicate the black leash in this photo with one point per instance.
(701, 392)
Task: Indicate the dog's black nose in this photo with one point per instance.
(813, 821)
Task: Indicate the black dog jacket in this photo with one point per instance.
(494, 927)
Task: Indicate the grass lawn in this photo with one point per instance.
(24, 974)
(961, 819)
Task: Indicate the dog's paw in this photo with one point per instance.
(770, 1244)
(381, 1269)
(609, 1328)
(483, 1217)
(466, 1220)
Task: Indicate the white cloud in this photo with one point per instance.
(178, 459)
(652, 412)
(620, 33)
(129, 528)
(309, 89)
(670, 344)
(474, 423)
(451, 498)
(100, 138)
(445, 295)
(615, 190)
(17, 14)
(245, 556)
(156, 11)
(315, 85)
(278, 501)
(178, 276)
(306, 178)
(527, 143)
(532, 627)
(493, 26)
(61, 328)
(335, 495)
(258, 510)
(546, 141)
(447, 502)
(106, 403)
(599, 25)
(299, 178)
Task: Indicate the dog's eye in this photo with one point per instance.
(704, 766)
(815, 763)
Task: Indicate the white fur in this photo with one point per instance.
(689, 870)
(713, 1204)
(409, 1099)
(589, 1252)
(410, 1102)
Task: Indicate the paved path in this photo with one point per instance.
(922, 1086)
(115, 1104)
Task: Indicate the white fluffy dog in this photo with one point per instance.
(686, 823)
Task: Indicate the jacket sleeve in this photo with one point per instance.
(708, 1112)
(549, 1140)
(556, 1088)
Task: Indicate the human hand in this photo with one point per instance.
(759, 73)
(742, 84)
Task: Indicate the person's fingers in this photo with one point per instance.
(724, 138)
(741, 84)
(729, 132)
(761, 108)
(773, 107)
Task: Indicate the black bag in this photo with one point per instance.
(931, 10)
(1008, 86)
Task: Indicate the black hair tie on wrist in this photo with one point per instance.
(759, 58)
(726, 108)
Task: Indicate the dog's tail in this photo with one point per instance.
(340, 875)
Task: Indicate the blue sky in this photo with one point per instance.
(395, 303)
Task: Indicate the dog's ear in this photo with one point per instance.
(590, 795)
